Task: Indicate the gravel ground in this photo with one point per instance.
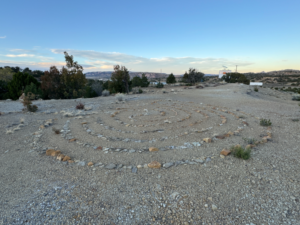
(194, 185)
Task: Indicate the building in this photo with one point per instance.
(223, 72)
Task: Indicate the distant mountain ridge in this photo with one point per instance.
(107, 75)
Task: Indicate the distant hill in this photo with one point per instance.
(107, 75)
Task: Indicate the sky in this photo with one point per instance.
(152, 36)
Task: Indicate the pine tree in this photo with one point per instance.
(171, 79)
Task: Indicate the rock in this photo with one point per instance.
(174, 195)
(207, 140)
(205, 205)
(230, 133)
(139, 166)
(73, 139)
(167, 165)
(70, 161)
(153, 149)
(145, 166)
(110, 166)
(131, 151)
(60, 157)
(90, 163)
(199, 161)
(222, 156)
(66, 158)
(50, 151)
(154, 165)
(21, 98)
(42, 127)
(220, 136)
(81, 163)
(208, 159)
(249, 146)
(99, 148)
(134, 169)
(225, 152)
(214, 207)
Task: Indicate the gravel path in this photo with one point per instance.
(194, 185)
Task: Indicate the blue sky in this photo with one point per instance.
(154, 36)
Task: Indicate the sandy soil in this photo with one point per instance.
(194, 184)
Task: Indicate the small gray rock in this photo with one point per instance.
(208, 159)
(110, 166)
(167, 165)
(81, 163)
(134, 169)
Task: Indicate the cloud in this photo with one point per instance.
(3, 37)
(108, 59)
(20, 55)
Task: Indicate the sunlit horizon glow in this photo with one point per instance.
(168, 36)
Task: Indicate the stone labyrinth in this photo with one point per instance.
(162, 133)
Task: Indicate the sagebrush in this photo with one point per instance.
(240, 152)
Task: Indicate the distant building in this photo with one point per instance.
(223, 72)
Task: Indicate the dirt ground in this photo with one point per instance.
(107, 179)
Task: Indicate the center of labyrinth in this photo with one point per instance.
(155, 134)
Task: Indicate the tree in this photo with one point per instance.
(185, 77)
(19, 82)
(235, 78)
(6, 74)
(194, 76)
(72, 79)
(171, 79)
(136, 81)
(120, 80)
(144, 81)
(3, 90)
(51, 85)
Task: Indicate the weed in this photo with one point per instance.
(28, 104)
(240, 152)
(140, 91)
(56, 131)
(105, 93)
(256, 89)
(120, 97)
(250, 141)
(296, 97)
(265, 122)
(295, 120)
(80, 106)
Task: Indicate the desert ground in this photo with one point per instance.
(98, 168)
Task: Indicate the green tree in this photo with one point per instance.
(51, 85)
(136, 81)
(235, 78)
(3, 90)
(144, 81)
(18, 83)
(72, 78)
(194, 76)
(120, 80)
(33, 89)
(171, 79)
(6, 74)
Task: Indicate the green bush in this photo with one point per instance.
(256, 89)
(160, 85)
(140, 91)
(32, 88)
(240, 152)
(265, 122)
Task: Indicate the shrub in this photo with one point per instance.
(32, 88)
(265, 122)
(171, 79)
(296, 97)
(28, 104)
(250, 141)
(105, 93)
(160, 85)
(80, 106)
(256, 89)
(240, 152)
(140, 91)
(120, 97)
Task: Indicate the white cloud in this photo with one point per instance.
(20, 55)
(3, 37)
(107, 59)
